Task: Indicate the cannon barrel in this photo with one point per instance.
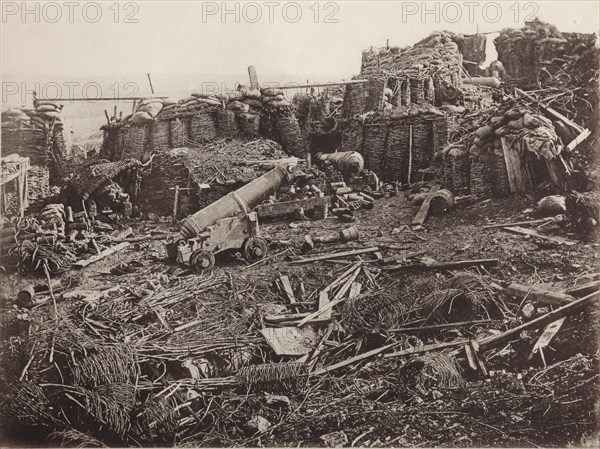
(243, 199)
(348, 162)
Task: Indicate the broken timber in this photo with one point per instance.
(424, 210)
(102, 255)
(537, 294)
(355, 252)
(551, 238)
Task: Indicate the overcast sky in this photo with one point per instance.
(193, 37)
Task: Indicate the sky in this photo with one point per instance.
(306, 39)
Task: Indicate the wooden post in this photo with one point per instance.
(175, 200)
(253, 77)
(410, 144)
(150, 81)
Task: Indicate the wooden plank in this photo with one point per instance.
(355, 290)
(427, 348)
(531, 232)
(352, 360)
(503, 338)
(355, 252)
(424, 210)
(580, 138)
(537, 294)
(517, 178)
(323, 301)
(584, 289)
(518, 223)
(287, 288)
(102, 255)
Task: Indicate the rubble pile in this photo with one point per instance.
(476, 161)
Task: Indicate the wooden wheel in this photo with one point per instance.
(202, 261)
(255, 248)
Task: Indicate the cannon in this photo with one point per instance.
(228, 223)
(348, 162)
(352, 166)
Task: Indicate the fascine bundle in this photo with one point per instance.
(249, 124)
(133, 141)
(227, 123)
(15, 118)
(178, 131)
(288, 130)
(375, 138)
(396, 156)
(26, 142)
(203, 127)
(352, 135)
(523, 50)
(160, 136)
(355, 99)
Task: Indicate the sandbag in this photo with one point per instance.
(141, 118)
(152, 109)
(551, 206)
(271, 92)
(189, 103)
(52, 115)
(169, 101)
(234, 95)
(484, 132)
(47, 108)
(250, 92)
(254, 103)
(277, 104)
(210, 101)
(270, 98)
(238, 106)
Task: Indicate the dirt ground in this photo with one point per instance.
(374, 402)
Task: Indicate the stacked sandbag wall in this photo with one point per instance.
(247, 113)
(37, 133)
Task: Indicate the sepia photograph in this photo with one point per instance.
(362, 224)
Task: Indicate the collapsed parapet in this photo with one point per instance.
(525, 51)
(509, 149)
(202, 177)
(159, 124)
(38, 134)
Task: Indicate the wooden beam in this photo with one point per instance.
(424, 209)
(355, 252)
(287, 288)
(503, 338)
(102, 255)
(303, 86)
(531, 232)
(537, 294)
